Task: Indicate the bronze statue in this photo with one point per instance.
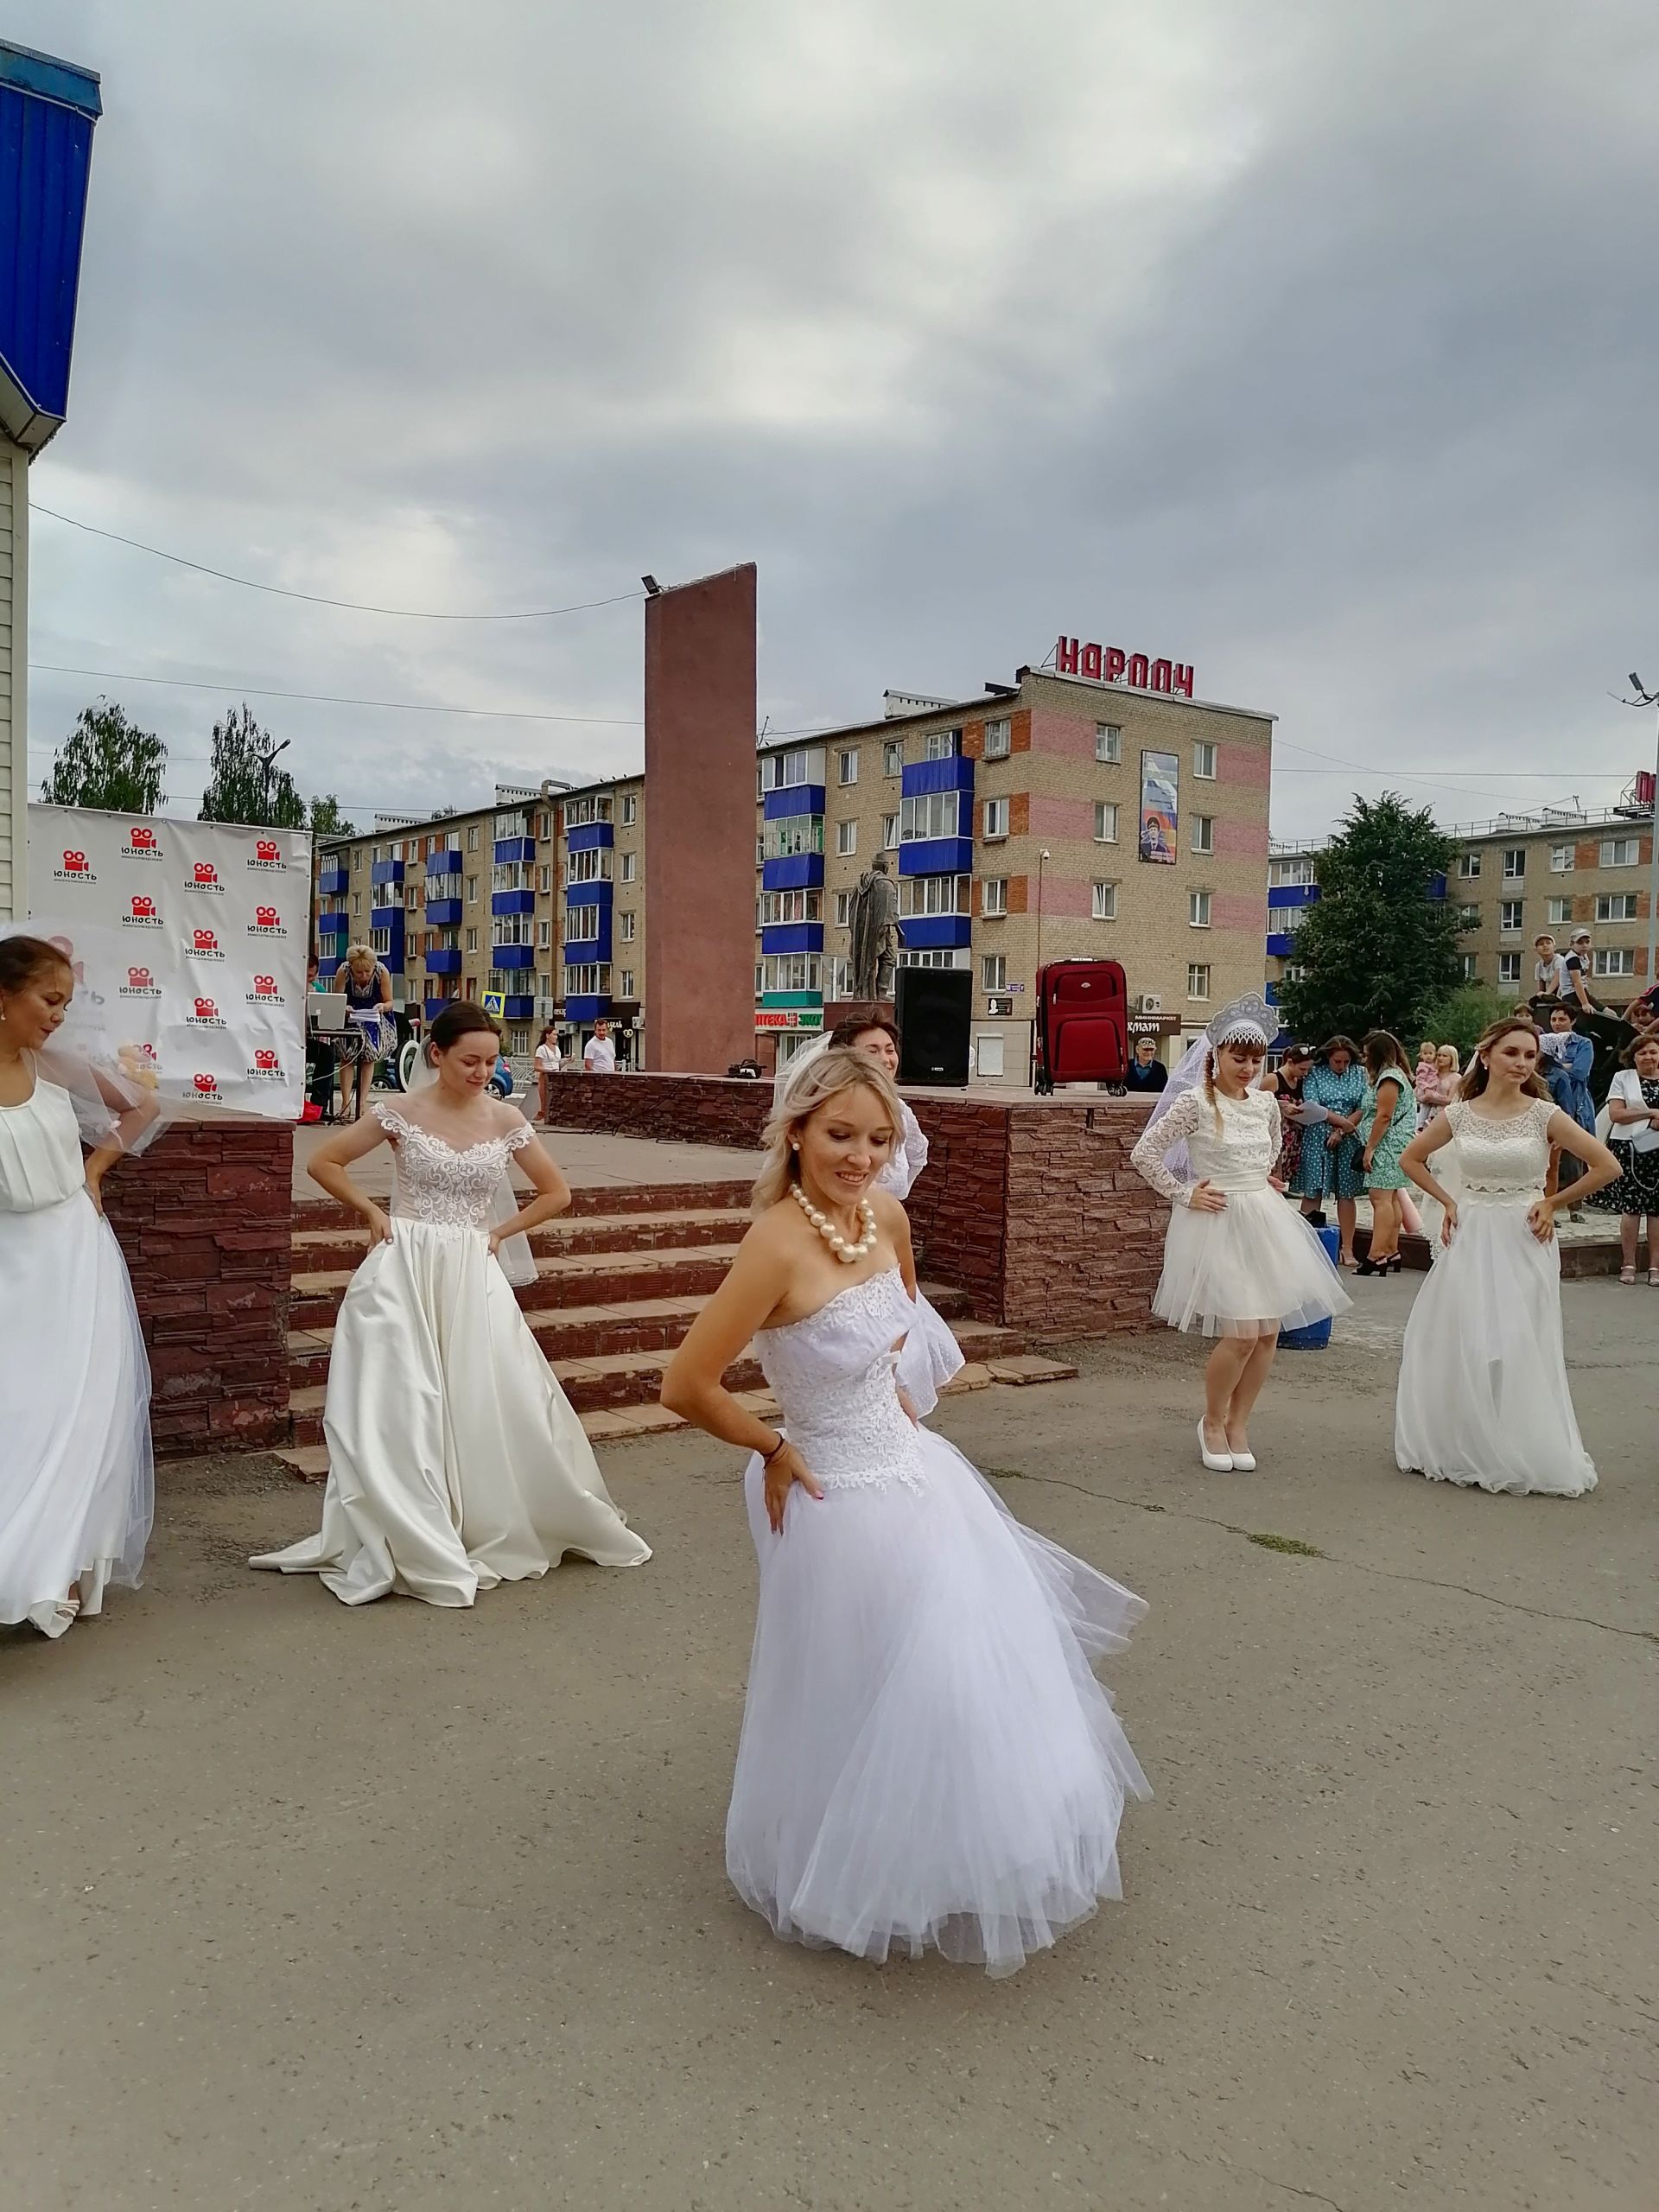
(875, 920)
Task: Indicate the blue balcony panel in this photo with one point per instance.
(445, 961)
(1293, 894)
(514, 849)
(331, 882)
(591, 837)
(1281, 944)
(792, 937)
(936, 856)
(589, 894)
(329, 964)
(799, 799)
(331, 922)
(1273, 994)
(799, 872)
(932, 932)
(435, 1006)
(443, 863)
(956, 774)
(578, 950)
(512, 956)
(517, 1006)
(1437, 885)
(387, 918)
(385, 872)
(586, 1006)
(443, 914)
(513, 902)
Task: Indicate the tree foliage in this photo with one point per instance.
(240, 788)
(1463, 1015)
(107, 762)
(327, 821)
(1377, 951)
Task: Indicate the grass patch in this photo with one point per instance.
(1293, 1545)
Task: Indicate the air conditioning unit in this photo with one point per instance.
(1149, 1002)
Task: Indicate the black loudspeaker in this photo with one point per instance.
(934, 1009)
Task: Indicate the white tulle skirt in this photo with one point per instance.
(927, 1760)
(1483, 1398)
(931, 1357)
(455, 1460)
(1253, 1268)
(77, 1484)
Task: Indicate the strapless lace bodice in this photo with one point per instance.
(833, 1377)
(1500, 1163)
(438, 1185)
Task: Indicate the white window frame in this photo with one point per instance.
(892, 756)
(1512, 916)
(1206, 759)
(994, 898)
(996, 820)
(630, 811)
(847, 766)
(1204, 833)
(926, 815)
(625, 982)
(1509, 969)
(1105, 821)
(1613, 960)
(926, 896)
(1563, 858)
(630, 870)
(993, 972)
(1108, 745)
(1558, 913)
(1198, 980)
(999, 739)
(1514, 863)
(1468, 867)
(624, 927)
(1105, 901)
(890, 832)
(843, 910)
(1621, 852)
(1199, 906)
(1615, 906)
(941, 745)
(846, 839)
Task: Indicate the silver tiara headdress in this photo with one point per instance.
(1248, 1018)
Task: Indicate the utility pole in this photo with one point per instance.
(1650, 699)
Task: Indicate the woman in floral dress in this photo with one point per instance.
(1331, 1166)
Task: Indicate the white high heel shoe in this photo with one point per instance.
(1219, 1462)
(1244, 1463)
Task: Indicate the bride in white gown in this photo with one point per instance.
(1483, 1396)
(927, 1758)
(76, 1482)
(455, 1460)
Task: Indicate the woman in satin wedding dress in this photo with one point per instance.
(927, 1758)
(455, 1460)
(76, 1482)
(1482, 1397)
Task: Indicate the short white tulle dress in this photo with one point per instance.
(1256, 1265)
(926, 1760)
(1483, 1398)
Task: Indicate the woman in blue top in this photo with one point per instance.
(367, 986)
(1332, 1166)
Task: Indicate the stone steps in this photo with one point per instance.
(579, 1279)
(595, 1198)
(324, 1251)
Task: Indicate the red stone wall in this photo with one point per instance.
(1030, 1205)
(205, 1219)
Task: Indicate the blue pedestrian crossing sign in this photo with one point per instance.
(495, 1002)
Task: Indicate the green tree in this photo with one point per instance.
(1376, 949)
(241, 787)
(1463, 1015)
(327, 821)
(107, 762)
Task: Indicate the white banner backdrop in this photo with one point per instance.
(189, 941)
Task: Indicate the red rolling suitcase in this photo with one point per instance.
(1081, 1033)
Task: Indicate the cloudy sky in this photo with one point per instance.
(1316, 346)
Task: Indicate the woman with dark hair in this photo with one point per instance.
(1286, 1084)
(1330, 1165)
(454, 1461)
(1633, 1140)
(1389, 1123)
(1483, 1398)
(878, 1040)
(76, 1486)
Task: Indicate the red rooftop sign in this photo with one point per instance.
(1107, 664)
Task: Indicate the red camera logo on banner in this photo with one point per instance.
(265, 993)
(204, 877)
(267, 1066)
(140, 984)
(142, 913)
(268, 854)
(204, 1014)
(204, 945)
(266, 922)
(142, 843)
(206, 1088)
(74, 867)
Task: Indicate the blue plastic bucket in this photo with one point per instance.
(1317, 1335)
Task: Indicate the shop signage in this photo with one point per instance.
(1155, 1025)
(1110, 664)
(792, 1017)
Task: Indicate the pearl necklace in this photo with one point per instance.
(849, 1254)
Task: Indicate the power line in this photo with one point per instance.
(318, 599)
(328, 698)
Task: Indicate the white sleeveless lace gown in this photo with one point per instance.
(1482, 1397)
(927, 1758)
(454, 1461)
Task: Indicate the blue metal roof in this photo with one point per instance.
(48, 109)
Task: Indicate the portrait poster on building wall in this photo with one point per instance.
(1159, 783)
(187, 941)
